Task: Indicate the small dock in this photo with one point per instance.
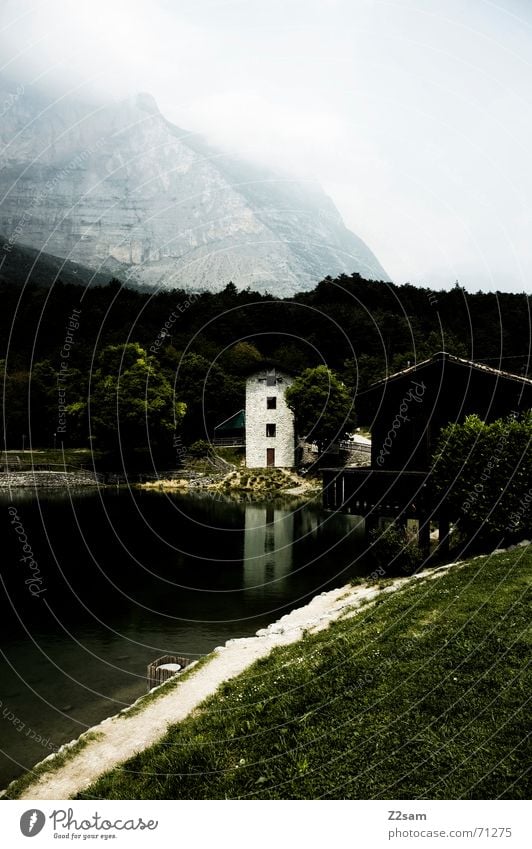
(377, 495)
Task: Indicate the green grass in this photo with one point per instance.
(422, 695)
(231, 455)
(52, 765)
(70, 456)
(267, 481)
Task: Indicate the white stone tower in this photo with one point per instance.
(270, 438)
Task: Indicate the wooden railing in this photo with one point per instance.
(229, 441)
(347, 445)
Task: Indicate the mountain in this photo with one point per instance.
(20, 264)
(118, 188)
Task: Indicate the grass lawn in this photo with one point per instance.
(68, 456)
(424, 695)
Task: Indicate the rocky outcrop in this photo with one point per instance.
(118, 188)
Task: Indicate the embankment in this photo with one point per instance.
(412, 688)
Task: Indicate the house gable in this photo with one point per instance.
(407, 410)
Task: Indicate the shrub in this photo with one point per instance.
(230, 455)
(392, 552)
(200, 448)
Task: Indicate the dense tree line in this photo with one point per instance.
(193, 352)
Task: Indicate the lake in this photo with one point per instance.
(113, 579)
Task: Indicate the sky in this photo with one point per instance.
(414, 115)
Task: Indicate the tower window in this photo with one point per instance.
(271, 403)
(271, 430)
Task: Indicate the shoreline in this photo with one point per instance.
(258, 483)
(241, 481)
(80, 762)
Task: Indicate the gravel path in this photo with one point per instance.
(122, 736)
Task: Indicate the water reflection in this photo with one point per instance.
(134, 575)
(268, 538)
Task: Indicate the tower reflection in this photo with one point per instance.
(269, 534)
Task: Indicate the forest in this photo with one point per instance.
(82, 362)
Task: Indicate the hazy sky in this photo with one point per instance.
(415, 115)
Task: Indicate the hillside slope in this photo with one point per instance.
(418, 689)
(20, 264)
(424, 694)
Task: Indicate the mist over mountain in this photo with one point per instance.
(118, 188)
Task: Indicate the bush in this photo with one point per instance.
(483, 475)
(392, 552)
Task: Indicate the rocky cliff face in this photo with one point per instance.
(120, 189)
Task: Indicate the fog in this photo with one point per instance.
(414, 115)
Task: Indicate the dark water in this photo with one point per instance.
(112, 580)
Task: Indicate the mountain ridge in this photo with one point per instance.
(21, 264)
(119, 188)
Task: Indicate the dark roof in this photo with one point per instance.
(266, 364)
(443, 356)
